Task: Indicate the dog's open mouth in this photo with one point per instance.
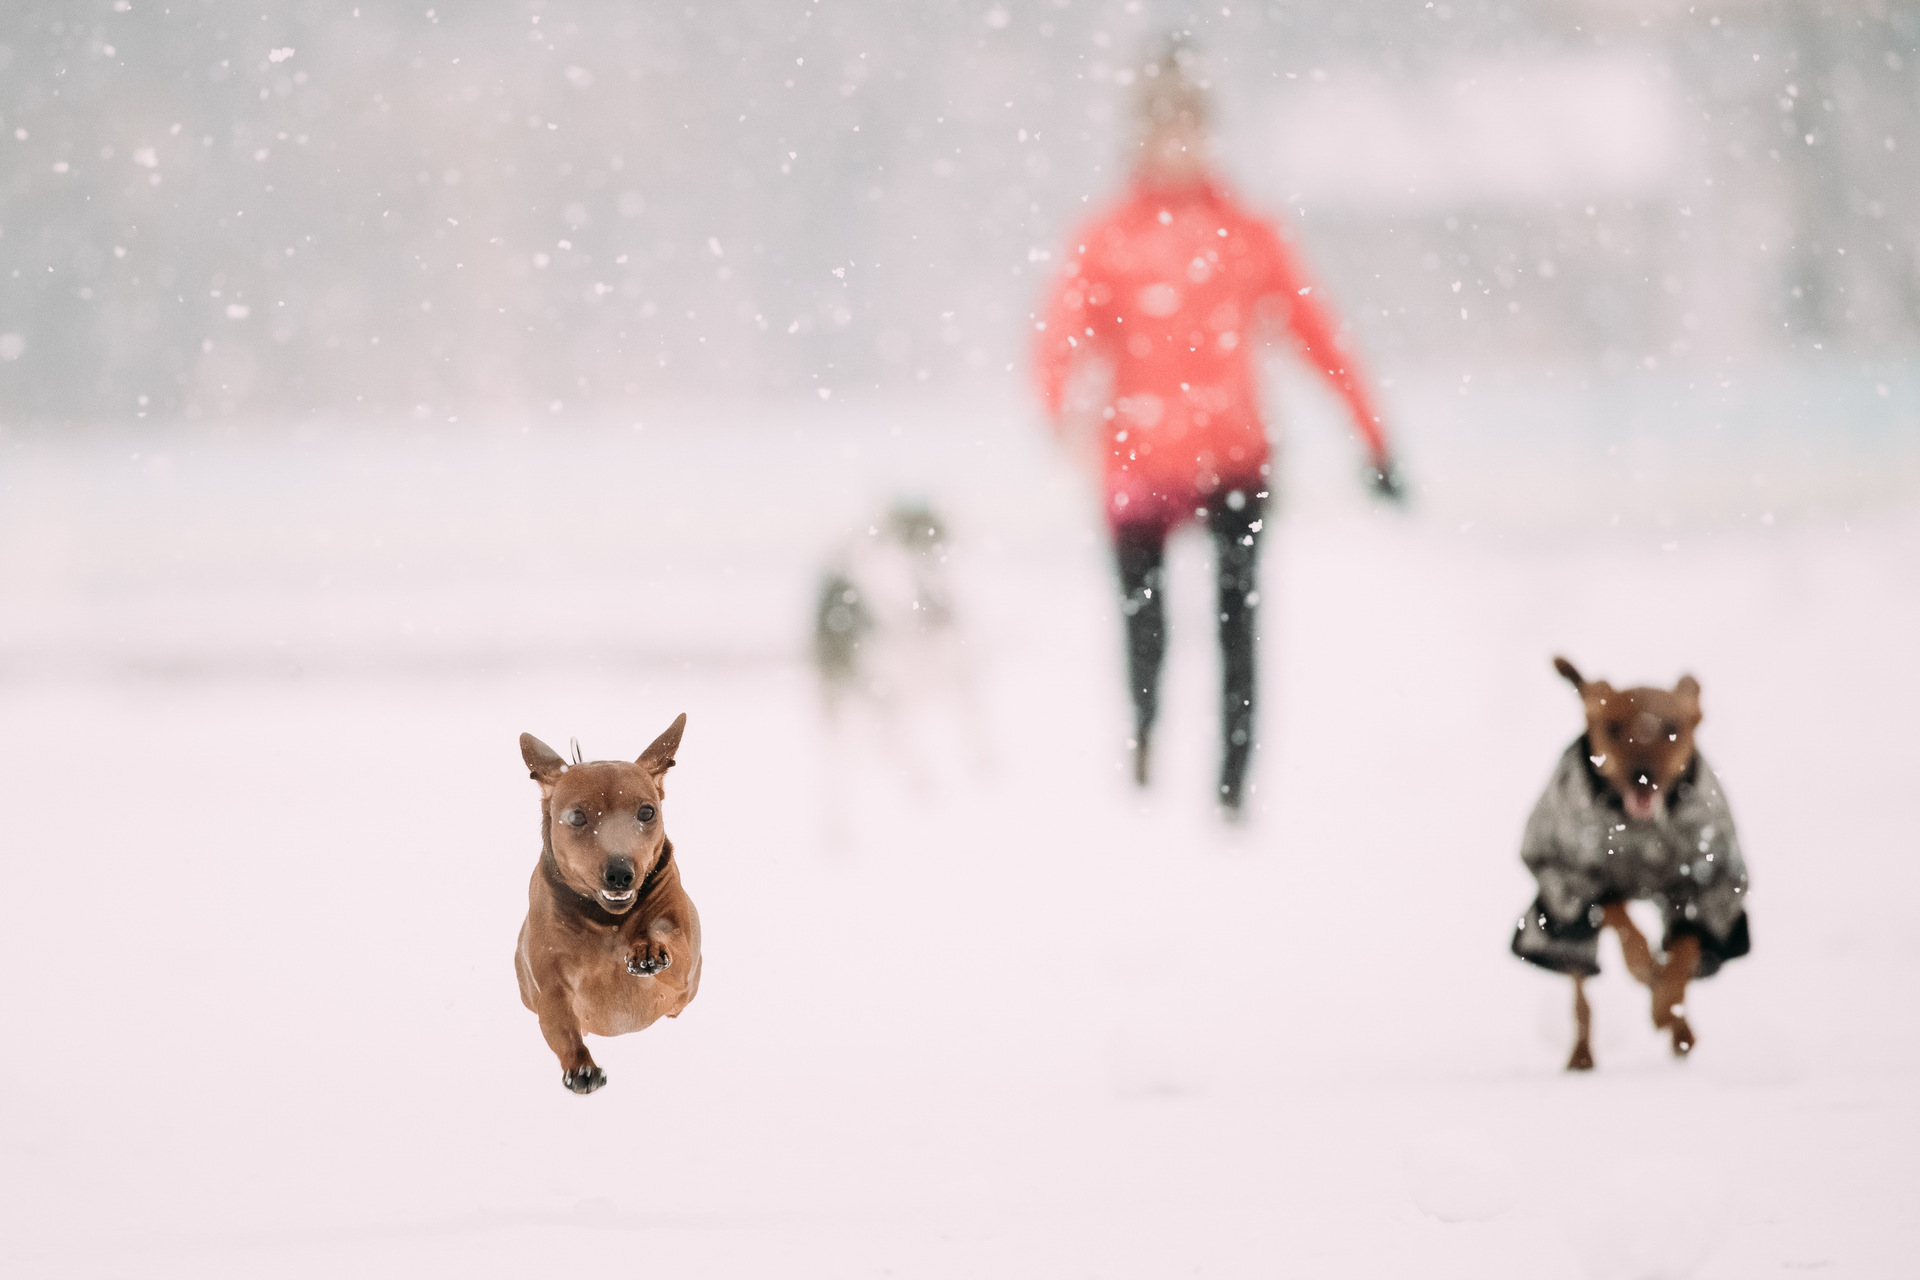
(617, 900)
(1641, 802)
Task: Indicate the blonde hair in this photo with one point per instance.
(1170, 90)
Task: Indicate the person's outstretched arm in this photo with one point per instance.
(1317, 333)
(1060, 338)
(1069, 342)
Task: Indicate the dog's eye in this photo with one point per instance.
(1672, 731)
(574, 817)
(646, 813)
(1616, 727)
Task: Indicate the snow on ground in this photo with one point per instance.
(265, 839)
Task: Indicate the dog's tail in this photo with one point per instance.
(1571, 672)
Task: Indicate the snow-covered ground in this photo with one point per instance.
(265, 839)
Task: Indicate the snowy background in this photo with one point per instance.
(268, 636)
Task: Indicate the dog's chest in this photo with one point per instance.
(609, 1001)
(1690, 847)
(1637, 858)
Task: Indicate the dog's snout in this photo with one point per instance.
(618, 874)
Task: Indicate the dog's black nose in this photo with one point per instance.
(619, 874)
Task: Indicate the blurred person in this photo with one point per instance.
(1169, 294)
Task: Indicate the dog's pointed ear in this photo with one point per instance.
(1571, 672)
(1689, 691)
(658, 758)
(544, 764)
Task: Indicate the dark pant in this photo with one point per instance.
(1141, 552)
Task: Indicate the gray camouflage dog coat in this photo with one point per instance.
(1584, 854)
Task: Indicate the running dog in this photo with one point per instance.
(611, 942)
(1633, 811)
(882, 607)
(885, 633)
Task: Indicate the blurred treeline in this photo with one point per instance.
(299, 208)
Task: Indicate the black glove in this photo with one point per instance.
(1383, 477)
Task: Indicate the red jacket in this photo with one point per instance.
(1175, 289)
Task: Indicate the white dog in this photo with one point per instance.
(887, 641)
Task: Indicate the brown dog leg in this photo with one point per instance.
(577, 1069)
(1582, 1059)
(1670, 993)
(1633, 943)
(650, 955)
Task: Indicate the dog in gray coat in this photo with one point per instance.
(1634, 812)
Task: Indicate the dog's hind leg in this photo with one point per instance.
(1633, 943)
(836, 828)
(890, 712)
(1670, 993)
(974, 720)
(1582, 1059)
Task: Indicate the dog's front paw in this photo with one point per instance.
(584, 1080)
(648, 959)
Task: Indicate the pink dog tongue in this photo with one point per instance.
(1640, 803)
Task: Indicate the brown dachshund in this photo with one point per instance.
(611, 942)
